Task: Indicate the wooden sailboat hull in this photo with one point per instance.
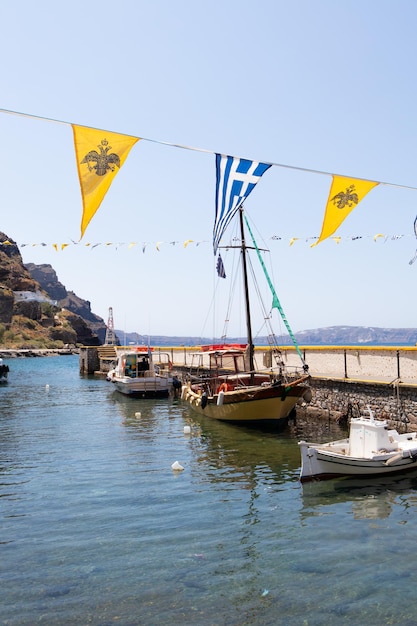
(251, 404)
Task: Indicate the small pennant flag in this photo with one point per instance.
(235, 179)
(100, 155)
(345, 194)
(411, 261)
(220, 267)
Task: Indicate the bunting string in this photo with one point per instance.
(159, 245)
(196, 149)
(100, 154)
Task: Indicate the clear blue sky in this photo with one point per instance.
(326, 85)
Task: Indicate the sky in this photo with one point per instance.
(318, 88)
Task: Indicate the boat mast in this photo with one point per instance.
(246, 290)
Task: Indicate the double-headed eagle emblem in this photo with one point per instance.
(102, 162)
(346, 198)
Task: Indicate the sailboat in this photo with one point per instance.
(228, 385)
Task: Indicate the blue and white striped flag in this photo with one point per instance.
(220, 268)
(235, 179)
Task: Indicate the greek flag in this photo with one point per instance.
(235, 179)
(220, 268)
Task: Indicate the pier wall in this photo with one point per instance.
(341, 399)
(358, 363)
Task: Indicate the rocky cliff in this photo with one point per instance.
(36, 311)
(46, 276)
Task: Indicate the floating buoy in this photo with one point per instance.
(177, 467)
(138, 415)
(187, 430)
(47, 387)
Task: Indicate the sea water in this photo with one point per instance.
(96, 528)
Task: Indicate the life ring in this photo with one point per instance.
(224, 387)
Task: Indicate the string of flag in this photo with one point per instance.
(100, 154)
(159, 245)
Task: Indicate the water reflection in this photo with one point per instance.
(231, 453)
(373, 498)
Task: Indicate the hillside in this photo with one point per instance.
(36, 311)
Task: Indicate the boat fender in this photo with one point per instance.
(204, 400)
(220, 398)
(394, 459)
(308, 396)
(184, 392)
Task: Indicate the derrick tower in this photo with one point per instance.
(110, 339)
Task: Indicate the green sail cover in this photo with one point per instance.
(275, 301)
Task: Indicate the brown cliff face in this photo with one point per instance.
(13, 277)
(30, 319)
(46, 276)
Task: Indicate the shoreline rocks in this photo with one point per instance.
(31, 352)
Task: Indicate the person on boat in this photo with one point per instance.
(143, 365)
(176, 384)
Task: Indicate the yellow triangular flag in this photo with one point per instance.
(345, 194)
(100, 155)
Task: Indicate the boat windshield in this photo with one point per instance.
(233, 362)
(132, 364)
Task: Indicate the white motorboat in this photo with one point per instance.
(137, 375)
(372, 449)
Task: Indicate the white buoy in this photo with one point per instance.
(177, 467)
(187, 430)
(47, 387)
(138, 415)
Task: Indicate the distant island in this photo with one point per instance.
(328, 336)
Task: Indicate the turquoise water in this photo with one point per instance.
(96, 528)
